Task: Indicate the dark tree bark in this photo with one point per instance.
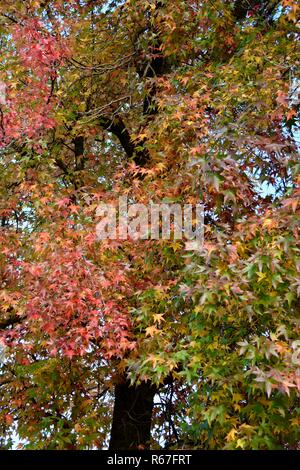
(117, 127)
(131, 424)
(133, 405)
(132, 416)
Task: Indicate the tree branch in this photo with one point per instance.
(117, 127)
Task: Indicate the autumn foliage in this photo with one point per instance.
(181, 101)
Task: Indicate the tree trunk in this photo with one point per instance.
(132, 414)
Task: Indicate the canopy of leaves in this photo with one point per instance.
(181, 101)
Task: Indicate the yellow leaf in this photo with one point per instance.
(158, 318)
(261, 276)
(240, 443)
(231, 435)
(151, 331)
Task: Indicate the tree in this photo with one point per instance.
(138, 343)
